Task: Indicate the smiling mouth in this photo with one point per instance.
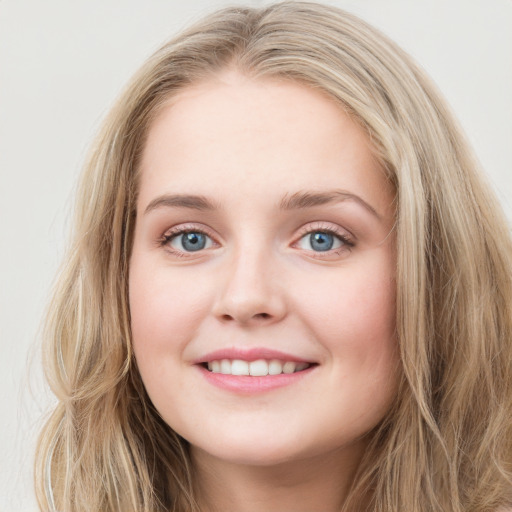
(257, 368)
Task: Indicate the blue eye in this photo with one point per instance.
(190, 241)
(321, 241)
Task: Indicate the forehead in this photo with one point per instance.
(233, 133)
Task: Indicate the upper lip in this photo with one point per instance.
(249, 354)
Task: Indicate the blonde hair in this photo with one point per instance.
(447, 442)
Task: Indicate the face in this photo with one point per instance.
(262, 290)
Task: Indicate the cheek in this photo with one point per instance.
(359, 302)
(353, 314)
(165, 307)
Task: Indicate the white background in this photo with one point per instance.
(61, 65)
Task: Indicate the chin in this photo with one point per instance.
(251, 451)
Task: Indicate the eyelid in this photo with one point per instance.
(327, 227)
(187, 227)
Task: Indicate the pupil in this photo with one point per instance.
(193, 241)
(321, 241)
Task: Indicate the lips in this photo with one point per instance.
(252, 370)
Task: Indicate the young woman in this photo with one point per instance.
(289, 287)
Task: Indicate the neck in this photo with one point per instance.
(316, 483)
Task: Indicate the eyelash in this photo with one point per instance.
(178, 231)
(346, 239)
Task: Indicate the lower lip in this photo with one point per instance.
(250, 385)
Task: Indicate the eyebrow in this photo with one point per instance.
(304, 199)
(296, 201)
(181, 201)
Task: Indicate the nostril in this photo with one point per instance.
(262, 316)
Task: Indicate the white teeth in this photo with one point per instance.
(258, 368)
(225, 367)
(288, 367)
(275, 367)
(239, 367)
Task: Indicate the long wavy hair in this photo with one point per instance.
(446, 443)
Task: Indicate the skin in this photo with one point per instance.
(245, 145)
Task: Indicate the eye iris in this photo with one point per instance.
(193, 241)
(321, 241)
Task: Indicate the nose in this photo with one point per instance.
(251, 291)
